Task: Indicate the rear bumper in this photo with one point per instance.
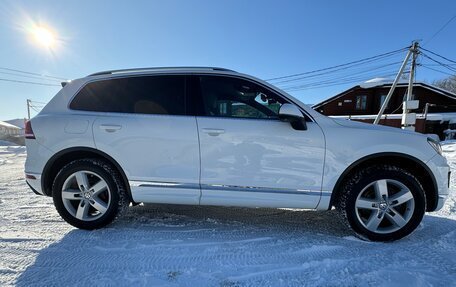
(34, 191)
(34, 181)
(37, 156)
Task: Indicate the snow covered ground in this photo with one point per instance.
(211, 246)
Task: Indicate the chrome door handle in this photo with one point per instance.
(213, 132)
(110, 128)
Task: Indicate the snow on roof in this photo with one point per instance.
(7, 125)
(379, 82)
(17, 122)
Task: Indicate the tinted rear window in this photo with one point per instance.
(142, 95)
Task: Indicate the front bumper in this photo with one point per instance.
(441, 171)
(441, 202)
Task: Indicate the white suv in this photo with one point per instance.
(211, 136)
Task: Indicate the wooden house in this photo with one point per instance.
(436, 113)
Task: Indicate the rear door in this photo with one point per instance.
(248, 156)
(142, 123)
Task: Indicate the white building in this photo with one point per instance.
(12, 133)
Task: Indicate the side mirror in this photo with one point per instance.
(291, 113)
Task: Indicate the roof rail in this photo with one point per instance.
(156, 68)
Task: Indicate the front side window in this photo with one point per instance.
(361, 102)
(237, 98)
(142, 95)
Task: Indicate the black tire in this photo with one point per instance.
(359, 181)
(118, 203)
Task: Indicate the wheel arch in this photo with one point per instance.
(63, 157)
(408, 162)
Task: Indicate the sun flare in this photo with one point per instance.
(44, 37)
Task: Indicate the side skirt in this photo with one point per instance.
(222, 195)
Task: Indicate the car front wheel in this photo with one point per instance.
(382, 203)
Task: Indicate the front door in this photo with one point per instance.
(248, 156)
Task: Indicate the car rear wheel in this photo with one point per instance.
(89, 193)
(382, 203)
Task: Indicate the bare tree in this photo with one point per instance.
(448, 84)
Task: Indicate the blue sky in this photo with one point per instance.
(263, 38)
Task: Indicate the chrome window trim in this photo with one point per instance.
(179, 73)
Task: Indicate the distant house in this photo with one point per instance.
(436, 113)
(17, 122)
(11, 133)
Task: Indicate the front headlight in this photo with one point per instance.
(435, 145)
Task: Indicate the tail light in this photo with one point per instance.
(29, 131)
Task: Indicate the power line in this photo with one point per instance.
(35, 109)
(326, 73)
(438, 62)
(331, 78)
(361, 75)
(430, 65)
(365, 74)
(436, 70)
(30, 77)
(322, 77)
(435, 54)
(335, 68)
(334, 83)
(37, 106)
(31, 73)
(338, 66)
(345, 77)
(27, 82)
(43, 103)
(441, 29)
(329, 72)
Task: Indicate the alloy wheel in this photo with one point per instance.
(384, 206)
(86, 195)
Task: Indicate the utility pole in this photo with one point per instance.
(393, 87)
(28, 109)
(409, 119)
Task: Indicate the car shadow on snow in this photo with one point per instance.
(271, 219)
(186, 245)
